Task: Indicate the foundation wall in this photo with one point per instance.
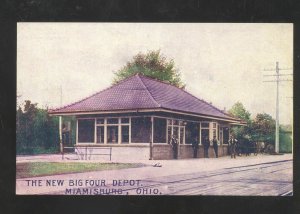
(132, 153)
(121, 153)
(165, 152)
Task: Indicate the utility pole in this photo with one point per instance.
(277, 75)
(277, 110)
(60, 125)
(61, 95)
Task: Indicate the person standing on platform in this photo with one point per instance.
(195, 145)
(206, 146)
(232, 146)
(174, 144)
(215, 145)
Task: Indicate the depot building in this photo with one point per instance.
(137, 117)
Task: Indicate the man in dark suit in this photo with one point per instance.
(195, 145)
(215, 145)
(174, 144)
(206, 146)
(232, 146)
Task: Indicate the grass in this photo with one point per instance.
(34, 169)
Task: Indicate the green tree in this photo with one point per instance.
(154, 65)
(239, 111)
(263, 128)
(285, 138)
(36, 132)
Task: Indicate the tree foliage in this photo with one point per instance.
(286, 138)
(263, 128)
(36, 130)
(239, 111)
(154, 65)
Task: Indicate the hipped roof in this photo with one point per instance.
(141, 92)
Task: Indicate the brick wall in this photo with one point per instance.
(121, 153)
(160, 152)
(164, 152)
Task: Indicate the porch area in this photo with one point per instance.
(140, 136)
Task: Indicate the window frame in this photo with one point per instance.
(212, 126)
(166, 129)
(205, 127)
(170, 122)
(179, 126)
(105, 125)
(77, 132)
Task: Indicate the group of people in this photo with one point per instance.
(206, 144)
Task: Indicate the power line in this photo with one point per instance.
(272, 69)
(277, 75)
(277, 80)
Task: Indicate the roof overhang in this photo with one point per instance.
(232, 121)
(242, 123)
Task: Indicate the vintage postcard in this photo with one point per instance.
(154, 109)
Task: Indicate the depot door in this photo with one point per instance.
(178, 133)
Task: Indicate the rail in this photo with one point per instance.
(86, 152)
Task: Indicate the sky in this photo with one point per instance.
(220, 63)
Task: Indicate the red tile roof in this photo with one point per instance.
(140, 92)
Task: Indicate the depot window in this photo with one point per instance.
(204, 131)
(176, 128)
(104, 130)
(140, 129)
(160, 125)
(86, 130)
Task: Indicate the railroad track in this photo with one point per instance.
(288, 193)
(258, 179)
(270, 178)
